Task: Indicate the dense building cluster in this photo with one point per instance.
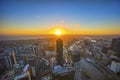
(74, 58)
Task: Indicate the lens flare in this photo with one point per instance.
(58, 32)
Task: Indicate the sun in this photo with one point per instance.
(58, 32)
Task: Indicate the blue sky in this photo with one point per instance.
(90, 15)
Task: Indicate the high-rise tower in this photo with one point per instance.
(59, 50)
(115, 44)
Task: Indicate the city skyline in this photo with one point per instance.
(73, 17)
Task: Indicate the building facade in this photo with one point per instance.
(59, 51)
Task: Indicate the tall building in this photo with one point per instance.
(8, 61)
(115, 45)
(59, 50)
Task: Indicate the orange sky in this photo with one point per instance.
(85, 18)
(51, 30)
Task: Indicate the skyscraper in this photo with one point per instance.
(59, 50)
(115, 44)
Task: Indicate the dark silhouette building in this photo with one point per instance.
(59, 51)
(115, 46)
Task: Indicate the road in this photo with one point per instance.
(84, 66)
(93, 68)
(92, 71)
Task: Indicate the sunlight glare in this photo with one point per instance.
(58, 32)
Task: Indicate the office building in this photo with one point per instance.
(43, 70)
(115, 45)
(59, 51)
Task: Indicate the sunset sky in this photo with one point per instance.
(73, 17)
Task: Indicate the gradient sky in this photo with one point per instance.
(73, 17)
